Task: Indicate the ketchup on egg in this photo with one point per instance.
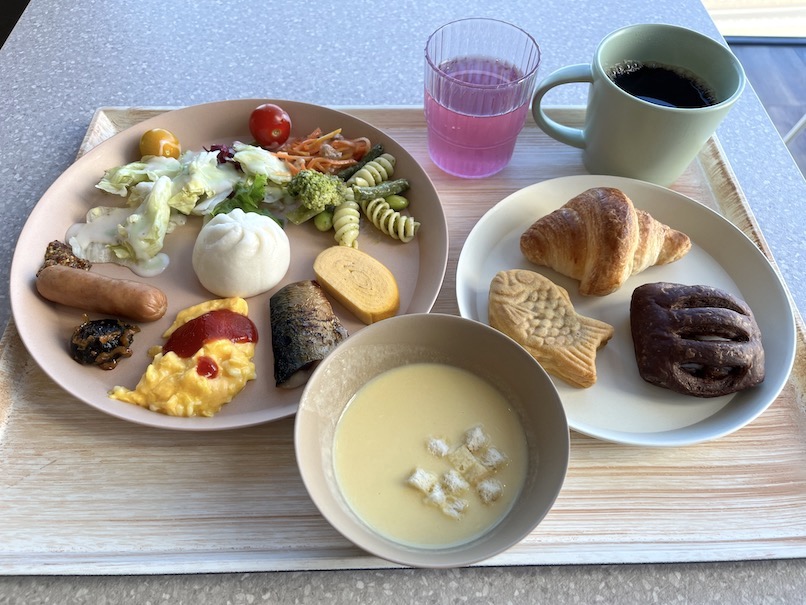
(206, 367)
(218, 324)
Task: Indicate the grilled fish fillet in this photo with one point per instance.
(304, 330)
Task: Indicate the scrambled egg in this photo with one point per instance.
(176, 386)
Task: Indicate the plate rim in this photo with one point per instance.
(673, 437)
(21, 284)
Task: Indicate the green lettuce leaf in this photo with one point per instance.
(121, 179)
(249, 196)
(203, 182)
(256, 160)
(141, 236)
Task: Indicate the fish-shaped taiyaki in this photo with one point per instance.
(538, 314)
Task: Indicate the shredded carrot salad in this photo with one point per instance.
(329, 152)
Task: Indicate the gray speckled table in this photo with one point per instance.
(65, 59)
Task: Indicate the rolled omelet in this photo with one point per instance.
(361, 283)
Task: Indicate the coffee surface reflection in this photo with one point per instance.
(666, 85)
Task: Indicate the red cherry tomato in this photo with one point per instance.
(270, 125)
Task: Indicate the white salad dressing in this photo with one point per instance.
(92, 241)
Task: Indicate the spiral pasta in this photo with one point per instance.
(374, 172)
(389, 221)
(346, 218)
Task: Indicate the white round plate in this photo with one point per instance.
(45, 328)
(621, 407)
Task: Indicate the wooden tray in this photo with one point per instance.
(85, 493)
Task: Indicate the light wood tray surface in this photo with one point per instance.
(85, 493)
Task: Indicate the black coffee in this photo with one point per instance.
(662, 85)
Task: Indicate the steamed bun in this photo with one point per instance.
(241, 254)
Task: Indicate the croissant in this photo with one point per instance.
(601, 239)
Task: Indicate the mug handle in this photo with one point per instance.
(571, 74)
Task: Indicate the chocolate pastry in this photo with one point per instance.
(695, 340)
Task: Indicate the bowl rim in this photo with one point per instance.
(350, 526)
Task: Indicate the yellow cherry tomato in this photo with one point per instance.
(159, 141)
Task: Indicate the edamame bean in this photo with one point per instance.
(324, 220)
(397, 202)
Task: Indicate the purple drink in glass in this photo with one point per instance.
(476, 104)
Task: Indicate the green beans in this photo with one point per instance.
(383, 190)
(374, 152)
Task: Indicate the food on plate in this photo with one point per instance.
(253, 161)
(205, 362)
(304, 329)
(383, 189)
(270, 125)
(391, 222)
(248, 195)
(382, 203)
(347, 223)
(329, 152)
(316, 192)
(324, 220)
(102, 342)
(364, 285)
(321, 194)
(241, 254)
(374, 172)
(601, 239)
(430, 454)
(161, 142)
(397, 202)
(162, 192)
(132, 236)
(122, 180)
(297, 177)
(59, 253)
(91, 291)
(696, 340)
(374, 152)
(539, 315)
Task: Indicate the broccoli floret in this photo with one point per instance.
(315, 191)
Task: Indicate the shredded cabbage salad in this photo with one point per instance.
(160, 193)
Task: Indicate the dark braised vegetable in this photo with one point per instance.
(102, 342)
(59, 253)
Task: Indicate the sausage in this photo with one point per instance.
(93, 292)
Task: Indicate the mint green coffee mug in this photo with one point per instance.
(657, 94)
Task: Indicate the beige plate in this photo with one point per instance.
(45, 328)
(621, 407)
